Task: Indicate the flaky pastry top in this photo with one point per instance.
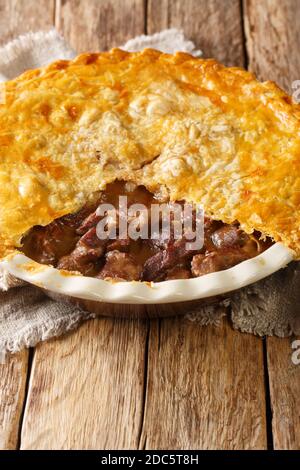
(190, 129)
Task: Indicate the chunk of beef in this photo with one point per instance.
(46, 244)
(75, 220)
(44, 249)
(119, 244)
(90, 221)
(229, 236)
(210, 226)
(216, 261)
(159, 242)
(120, 266)
(91, 239)
(176, 252)
(155, 267)
(161, 239)
(86, 254)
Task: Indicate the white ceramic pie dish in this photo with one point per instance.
(96, 292)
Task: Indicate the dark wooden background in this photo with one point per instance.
(166, 383)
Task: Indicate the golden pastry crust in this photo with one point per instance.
(189, 127)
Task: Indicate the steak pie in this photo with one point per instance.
(155, 128)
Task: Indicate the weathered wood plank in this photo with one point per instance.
(214, 26)
(284, 375)
(99, 24)
(87, 389)
(205, 388)
(21, 16)
(13, 375)
(273, 35)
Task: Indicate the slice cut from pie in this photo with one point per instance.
(184, 129)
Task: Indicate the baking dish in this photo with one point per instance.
(131, 299)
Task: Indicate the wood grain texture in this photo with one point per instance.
(13, 375)
(205, 388)
(21, 16)
(87, 389)
(215, 26)
(284, 378)
(99, 24)
(273, 36)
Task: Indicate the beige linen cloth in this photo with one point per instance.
(28, 316)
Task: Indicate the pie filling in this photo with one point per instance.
(72, 243)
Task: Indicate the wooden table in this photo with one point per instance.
(169, 383)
